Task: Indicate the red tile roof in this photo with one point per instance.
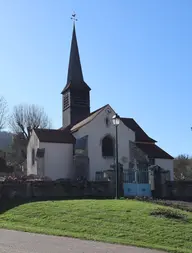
(140, 135)
(55, 136)
(153, 151)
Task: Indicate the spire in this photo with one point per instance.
(74, 71)
(76, 94)
(75, 74)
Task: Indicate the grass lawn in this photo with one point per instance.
(116, 221)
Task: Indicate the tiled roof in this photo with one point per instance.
(87, 120)
(153, 151)
(55, 136)
(140, 135)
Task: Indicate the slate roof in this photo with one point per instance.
(87, 120)
(140, 135)
(143, 141)
(153, 151)
(55, 136)
(75, 74)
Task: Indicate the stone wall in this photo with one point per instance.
(177, 190)
(53, 189)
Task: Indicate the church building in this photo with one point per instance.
(85, 144)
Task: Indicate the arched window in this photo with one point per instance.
(33, 156)
(107, 146)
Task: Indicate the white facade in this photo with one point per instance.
(58, 157)
(96, 131)
(166, 164)
(33, 144)
(56, 163)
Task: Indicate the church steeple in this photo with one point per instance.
(76, 97)
(75, 74)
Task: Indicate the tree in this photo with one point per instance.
(25, 118)
(22, 121)
(183, 167)
(3, 112)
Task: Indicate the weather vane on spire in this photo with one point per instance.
(74, 17)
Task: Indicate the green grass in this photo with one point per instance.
(117, 221)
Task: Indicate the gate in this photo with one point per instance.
(136, 182)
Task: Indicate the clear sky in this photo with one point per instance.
(136, 55)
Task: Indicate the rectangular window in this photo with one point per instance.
(99, 176)
(81, 146)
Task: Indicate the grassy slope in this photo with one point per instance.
(126, 222)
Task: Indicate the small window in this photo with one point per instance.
(107, 122)
(107, 146)
(33, 156)
(151, 161)
(99, 176)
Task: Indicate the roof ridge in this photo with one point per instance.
(127, 118)
(88, 119)
(141, 135)
(155, 152)
(54, 135)
(99, 109)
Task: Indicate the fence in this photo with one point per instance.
(136, 182)
(140, 176)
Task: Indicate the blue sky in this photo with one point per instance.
(136, 55)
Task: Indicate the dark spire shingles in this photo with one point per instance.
(75, 74)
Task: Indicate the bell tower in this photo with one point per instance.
(76, 93)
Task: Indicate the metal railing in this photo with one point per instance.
(139, 176)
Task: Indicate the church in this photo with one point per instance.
(85, 144)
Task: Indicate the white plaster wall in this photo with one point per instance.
(166, 164)
(58, 159)
(40, 166)
(33, 143)
(96, 130)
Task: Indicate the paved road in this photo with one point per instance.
(20, 242)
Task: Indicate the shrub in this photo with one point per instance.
(169, 213)
(182, 205)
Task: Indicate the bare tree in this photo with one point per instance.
(25, 118)
(22, 121)
(3, 112)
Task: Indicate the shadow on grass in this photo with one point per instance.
(169, 214)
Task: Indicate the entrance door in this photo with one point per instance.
(136, 183)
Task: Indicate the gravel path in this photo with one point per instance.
(21, 242)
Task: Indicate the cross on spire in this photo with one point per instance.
(73, 17)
